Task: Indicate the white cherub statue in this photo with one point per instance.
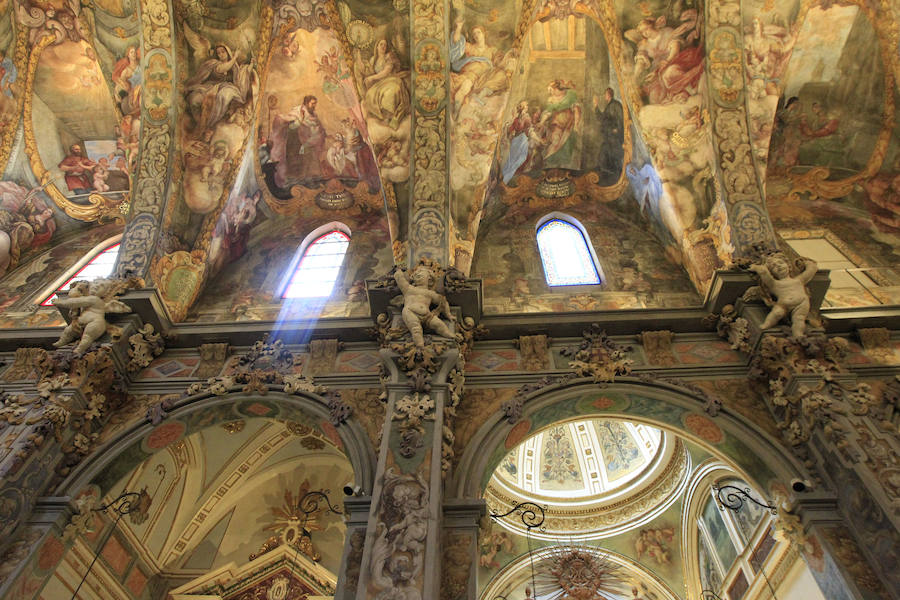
(92, 301)
(418, 297)
(789, 292)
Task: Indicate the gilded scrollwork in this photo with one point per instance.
(430, 197)
(737, 172)
(149, 186)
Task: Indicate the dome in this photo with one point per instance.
(631, 471)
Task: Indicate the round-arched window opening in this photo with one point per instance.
(566, 254)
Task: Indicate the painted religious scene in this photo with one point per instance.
(449, 300)
(83, 142)
(219, 93)
(834, 157)
(312, 129)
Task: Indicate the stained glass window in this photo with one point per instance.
(565, 254)
(318, 269)
(100, 266)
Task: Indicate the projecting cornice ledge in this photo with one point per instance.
(726, 288)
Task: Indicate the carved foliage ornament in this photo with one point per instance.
(268, 366)
(144, 346)
(597, 356)
(820, 399)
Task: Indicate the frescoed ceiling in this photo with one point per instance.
(229, 494)
(605, 485)
(271, 119)
(594, 478)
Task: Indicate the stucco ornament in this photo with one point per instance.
(144, 346)
(91, 301)
(787, 292)
(598, 356)
(578, 573)
(398, 554)
(419, 296)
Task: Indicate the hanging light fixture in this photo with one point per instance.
(124, 504)
(567, 571)
(732, 497)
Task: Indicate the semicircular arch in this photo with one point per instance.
(517, 574)
(756, 456)
(139, 440)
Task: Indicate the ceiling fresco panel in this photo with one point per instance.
(377, 39)
(63, 65)
(219, 62)
(486, 39)
(833, 169)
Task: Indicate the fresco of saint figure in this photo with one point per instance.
(611, 122)
(126, 77)
(26, 221)
(218, 84)
(232, 232)
(298, 144)
(477, 68)
(559, 126)
(387, 97)
(79, 170)
(524, 144)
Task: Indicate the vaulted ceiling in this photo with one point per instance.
(220, 134)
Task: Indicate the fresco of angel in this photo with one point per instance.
(221, 83)
(668, 62)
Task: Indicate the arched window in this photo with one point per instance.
(317, 270)
(566, 254)
(733, 544)
(100, 264)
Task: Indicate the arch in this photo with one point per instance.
(747, 545)
(304, 280)
(142, 438)
(99, 262)
(566, 252)
(758, 459)
(517, 573)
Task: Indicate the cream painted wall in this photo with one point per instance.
(799, 584)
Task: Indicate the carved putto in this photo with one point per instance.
(90, 302)
(419, 295)
(785, 293)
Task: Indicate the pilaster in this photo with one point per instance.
(356, 510)
(460, 548)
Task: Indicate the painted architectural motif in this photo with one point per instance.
(715, 157)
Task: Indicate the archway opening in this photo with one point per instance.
(229, 509)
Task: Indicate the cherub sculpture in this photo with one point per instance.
(92, 301)
(418, 297)
(789, 292)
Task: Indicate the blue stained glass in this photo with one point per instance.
(565, 254)
(319, 268)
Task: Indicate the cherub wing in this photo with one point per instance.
(114, 306)
(199, 45)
